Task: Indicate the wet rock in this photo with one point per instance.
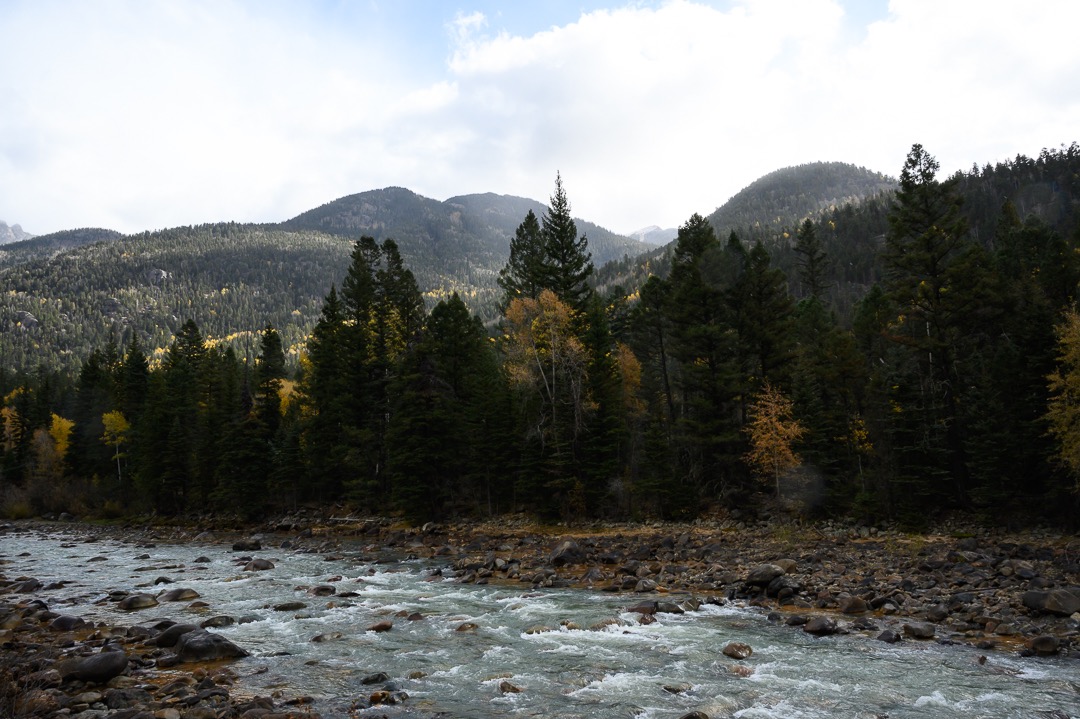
(171, 635)
(66, 623)
(202, 646)
(506, 687)
(96, 668)
(253, 544)
(568, 552)
(376, 678)
(258, 565)
(1044, 645)
(695, 715)
(328, 637)
(919, 630)
(383, 626)
(323, 591)
(289, 606)
(467, 627)
(889, 636)
(820, 626)
(643, 608)
(26, 586)
(222, 620)
(137, 601)
(738, 650)
(178, 595)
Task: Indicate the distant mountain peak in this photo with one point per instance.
(654, 235)
(14, 233)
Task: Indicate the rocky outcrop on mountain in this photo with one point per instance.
(12, 233)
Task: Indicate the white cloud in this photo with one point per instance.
(143, 115)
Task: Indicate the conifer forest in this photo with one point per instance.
(905, 355)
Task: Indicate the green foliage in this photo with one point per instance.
(915, 361)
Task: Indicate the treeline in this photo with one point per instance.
(949, 384)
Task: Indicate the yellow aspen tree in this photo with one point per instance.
(1063, 410)
(773, 430)
(116, 429)
(60, 431)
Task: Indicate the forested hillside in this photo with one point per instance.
(913, 354)
(70, 292)
(766, 209)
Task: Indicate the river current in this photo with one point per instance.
(572, 653)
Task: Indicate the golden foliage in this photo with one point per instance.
(1063, 411)
(60, 431)
(773, 430)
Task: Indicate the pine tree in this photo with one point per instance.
(813, 262)
(523, 274)
(567, 264)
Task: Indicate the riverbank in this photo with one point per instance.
(1000, 592)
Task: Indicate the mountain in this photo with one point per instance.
(786, 197)
(764, 209)
(654, 235)
(14, 233)
(42, 246)
(71, 292)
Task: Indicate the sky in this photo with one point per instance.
(144, 114)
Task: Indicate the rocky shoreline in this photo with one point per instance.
(996, 591)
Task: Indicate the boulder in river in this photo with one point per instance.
(820, 626)
(258, 565)
(738, 650)
(181, 594)
(96, 668)
(252, 544)
(203, 646)
(171, 635)
(138, 601)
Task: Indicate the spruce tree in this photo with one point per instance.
(523, 274)
(567, 264)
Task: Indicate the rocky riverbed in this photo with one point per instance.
(1007, 593)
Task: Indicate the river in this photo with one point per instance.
(571, 653)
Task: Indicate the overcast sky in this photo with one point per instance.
(145, 114)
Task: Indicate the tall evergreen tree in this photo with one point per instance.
(567, 263)
(524, 271)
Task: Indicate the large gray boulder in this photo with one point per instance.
(763, 574)
(1055, 601)
(568, 552)
(96, 668)
(200, 645)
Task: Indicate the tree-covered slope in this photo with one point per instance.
(231, 279)
(456, 245)
(786, 197)
(67, 293)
